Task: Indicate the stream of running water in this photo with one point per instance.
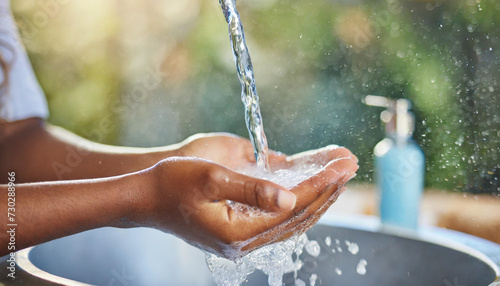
(246, 76)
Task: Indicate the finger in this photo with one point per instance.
(236, 229)
(255, 233)
(321, 156)
(252, 191)
(278, 160)
(312, 213)
(311, 219)
(310, 189)
(295, 225)
(314, 197)
(307, 215)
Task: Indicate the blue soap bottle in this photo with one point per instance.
(399, 165)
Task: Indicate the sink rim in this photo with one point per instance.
(480, 248)
(23, 261)
(488, 252)
(484, 250)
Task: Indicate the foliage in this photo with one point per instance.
(154, 72)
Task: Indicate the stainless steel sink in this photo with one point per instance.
(112, 256)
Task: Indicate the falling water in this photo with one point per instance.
(249, 95)
(275, 259)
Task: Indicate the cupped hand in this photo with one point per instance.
(314, 194)
(187, 196)
(227, 149)
(333, 167)
(191, 199)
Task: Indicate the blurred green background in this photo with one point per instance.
(151, 73)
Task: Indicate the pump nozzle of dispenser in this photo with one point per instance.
(399, 121)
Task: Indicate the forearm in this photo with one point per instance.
(40, 153)
(45, 211)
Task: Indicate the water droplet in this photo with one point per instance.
(312, 279)
(299, 282)
(338, 271)
(313, 248)
(352, 247)
(328, 241)
(361, 268)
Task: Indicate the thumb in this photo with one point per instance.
(254, 192)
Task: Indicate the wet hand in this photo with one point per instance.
(314, 194)
(229, 150)
(197, 207)
(187, 197)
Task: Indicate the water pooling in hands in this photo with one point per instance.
(275, 259)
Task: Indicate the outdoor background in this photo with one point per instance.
(151, 73)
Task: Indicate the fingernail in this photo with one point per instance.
(286, 200)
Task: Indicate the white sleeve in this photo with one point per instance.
(23, 97)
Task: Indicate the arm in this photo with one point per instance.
(45, 211)
(37, 152)
(185, 196)
(168, 196)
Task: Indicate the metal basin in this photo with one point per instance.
(111, 256)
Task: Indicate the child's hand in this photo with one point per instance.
(187, 196)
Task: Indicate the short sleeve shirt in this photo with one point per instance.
(22, 97)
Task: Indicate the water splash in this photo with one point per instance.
(245, 73)
(313, 248)
(274, 260)
(328, 241)
(352, 247)
(361, 268)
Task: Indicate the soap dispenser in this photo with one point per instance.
(399, 164)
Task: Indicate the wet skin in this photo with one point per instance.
(180, 189)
